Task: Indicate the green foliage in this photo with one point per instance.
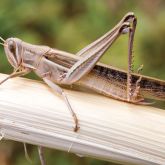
(70, 25)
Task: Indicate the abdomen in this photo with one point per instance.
(112, 83)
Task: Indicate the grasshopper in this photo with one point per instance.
(57, 67)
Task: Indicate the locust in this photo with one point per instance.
(58, 67)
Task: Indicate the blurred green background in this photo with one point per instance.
(70, 25)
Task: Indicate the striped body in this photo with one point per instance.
(111, 81)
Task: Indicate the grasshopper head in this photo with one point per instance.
(13, 50)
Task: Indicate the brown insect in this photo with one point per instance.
(57, 67)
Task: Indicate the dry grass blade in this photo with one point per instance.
(110, 130)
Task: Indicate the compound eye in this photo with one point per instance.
(12, 46)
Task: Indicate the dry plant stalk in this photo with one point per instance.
(110, 130)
